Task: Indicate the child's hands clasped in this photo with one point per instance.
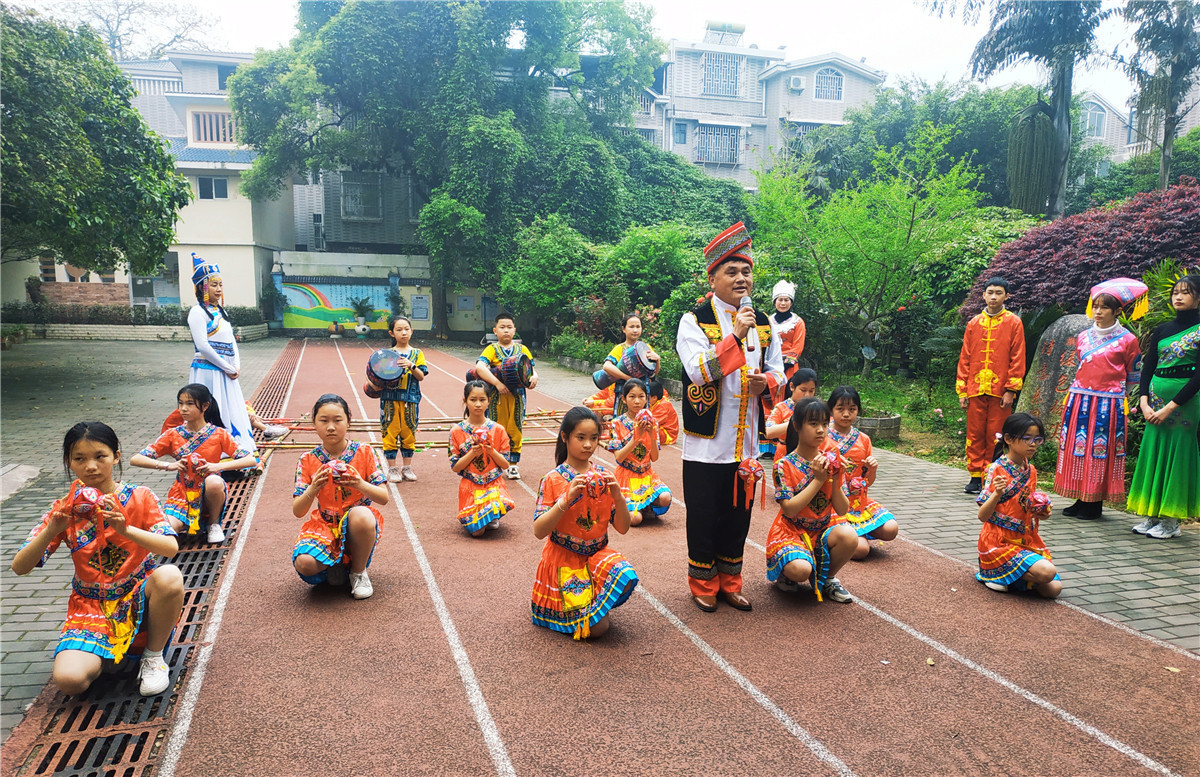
(113, 516)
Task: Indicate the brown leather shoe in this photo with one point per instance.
(706, 603)
(737, 601)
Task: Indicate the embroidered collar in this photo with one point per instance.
(325, 457)
(995, 315)
(188, 434)
(512, 350)
(844, 441)
(568, 474)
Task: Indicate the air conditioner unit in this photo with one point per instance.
(797, 83)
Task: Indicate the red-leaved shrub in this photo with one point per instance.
(1061, 261)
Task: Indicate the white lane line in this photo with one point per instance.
(794, 728)
(483, 715)
(187, 705)
(764, 701)
(1075, 607)
(1058, 712)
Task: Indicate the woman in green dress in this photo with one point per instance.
(1166, 484)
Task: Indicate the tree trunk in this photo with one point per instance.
(1170, 126)
(437, 293)
(1060, 101)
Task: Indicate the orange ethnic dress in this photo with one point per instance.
(323, 536)
(482, 496)
(1009, 543)
(635, 474)
(108, 592)
(866, 515)
(186, 495)
(781, 414)
(804, 537)
(579, 578)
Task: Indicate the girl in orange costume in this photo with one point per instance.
(634, 442)
(579, 579)
(344, 529)
(478, 453)
(870, 519)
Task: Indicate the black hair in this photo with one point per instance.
(633, 383)
(1015, 426)
(1191, 281)
(1106, 300)
(654, 388)
(330, 399)
(807, 409)
(802, 375)
(97, 431)
(996, 280)
(470, 386)
(571, 419)
(501, 316)
(392, 319)
(628, 316)
(201, 395)
(845, 392)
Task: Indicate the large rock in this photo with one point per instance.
(1052, 372)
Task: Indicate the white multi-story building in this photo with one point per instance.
(727, 106)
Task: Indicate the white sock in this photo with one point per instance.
(152, 655)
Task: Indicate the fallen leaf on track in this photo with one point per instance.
(1171, 669)
(929, 661)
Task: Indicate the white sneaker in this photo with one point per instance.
(216, 534)
(407, 473)
(336, 575)
(360, 585)
(786, 585)
(1145, 526)
(1001, 587)
(154, 676)
(1165, 530)
(836, 591)
(512, 473)
(273, 431)
(394, 475)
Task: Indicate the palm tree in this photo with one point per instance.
(1165, 67)
(1053, 33)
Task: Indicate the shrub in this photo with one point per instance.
(244, 316)
(108, 314)
(166, 315)
(1059, 263)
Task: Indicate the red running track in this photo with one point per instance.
(442, 673)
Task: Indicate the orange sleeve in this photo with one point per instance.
(964, 358)
(500, 441)
(730, 355)
(1016, 355)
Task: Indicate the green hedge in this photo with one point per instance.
(164, 315)
(576, 346)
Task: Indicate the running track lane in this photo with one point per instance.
(651, 701)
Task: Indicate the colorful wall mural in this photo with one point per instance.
(315, 305)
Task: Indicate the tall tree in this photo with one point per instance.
(139, 29)
(1165, 66)
(395, 86)
(84, 177)
(1056, 34)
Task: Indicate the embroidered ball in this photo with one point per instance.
(833, 462)
(87, 501)
(195, 460)
(594, 484)
(481, 436)
(1039, 502)
(856, 484)
(339, 468)
(644, 416)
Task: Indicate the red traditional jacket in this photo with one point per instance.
(992, 359)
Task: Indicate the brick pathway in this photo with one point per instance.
(48, 385)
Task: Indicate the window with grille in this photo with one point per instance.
(680, 133)
(212, 188)
(157, 85)
(213, 127)
(648, 135)
(46, 269)
(829, 84)
(108, 277)
(645, 102)
(718, 144)
(722, 74)
(1093, 120)
(362, 196)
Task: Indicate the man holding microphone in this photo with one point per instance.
(732, 374)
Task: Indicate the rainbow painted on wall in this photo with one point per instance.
(316, 306)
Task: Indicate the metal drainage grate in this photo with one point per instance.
(112, 730)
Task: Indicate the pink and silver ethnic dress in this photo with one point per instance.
(1091, 442)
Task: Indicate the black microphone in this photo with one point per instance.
(746, 302)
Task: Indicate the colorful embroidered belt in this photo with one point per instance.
(330, 517)
(808, 524)
(1007, 522)
(107, 592)
(1177, 371)
(578, 546)
(636, 470)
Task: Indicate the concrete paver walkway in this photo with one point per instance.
(49, 385)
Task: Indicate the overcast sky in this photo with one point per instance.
(897, 36)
